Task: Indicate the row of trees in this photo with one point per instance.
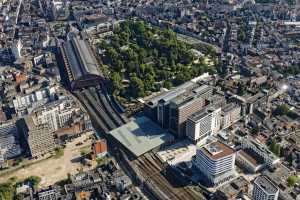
(148, 58)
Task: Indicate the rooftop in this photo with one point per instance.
(171, 94)
(82, 62)
(217, 150)
(267, 185)
(234, 187)
(200, 114)
(229, 107)
(141, 135)
(190, 94)
(251, 156)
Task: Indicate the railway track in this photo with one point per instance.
(94, 115)
(100, 109)
(113, 114)
(152, 168)
(94, 103)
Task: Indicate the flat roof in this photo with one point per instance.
(183, 150)
(228, 107)
(141, 135)
(234, 187)
(200, 114)
(167, 96)
(217, 150)
(268, 186)
(192, 93)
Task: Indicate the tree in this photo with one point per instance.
(149, 82)
(34, 180)
(137, 87)
(180, 78)
(273, 145)
(116, 81)
(6, 191)
(59, 152)
(20, 196)
(167, 84)
(277, 150)
(282, 110)
(255, 130)
(152, 54)
(292, 181)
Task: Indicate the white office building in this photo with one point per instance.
(203, 124)
(216, 162)
(264, 189)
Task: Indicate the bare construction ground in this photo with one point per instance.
(54, 169)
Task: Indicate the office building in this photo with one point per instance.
(216, 162)
(172, 108)
(180, 109)
(264, 189)
(39, 137)
(203, 124)
(157, 108)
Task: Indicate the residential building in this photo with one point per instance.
(48, 194)
(261, 150)
(233, 190)
(216, 162)
(39, 137)
(203, 124)
(231, 113)
(9, 141)
(56, 114)
(99, 148)
(249, 160)
(264, 189)
(24, 104)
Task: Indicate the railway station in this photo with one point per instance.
(80, 63)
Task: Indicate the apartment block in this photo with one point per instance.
(231, 113)
(56, 114)
(260, 151)
(264, 189)
(39, 137)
